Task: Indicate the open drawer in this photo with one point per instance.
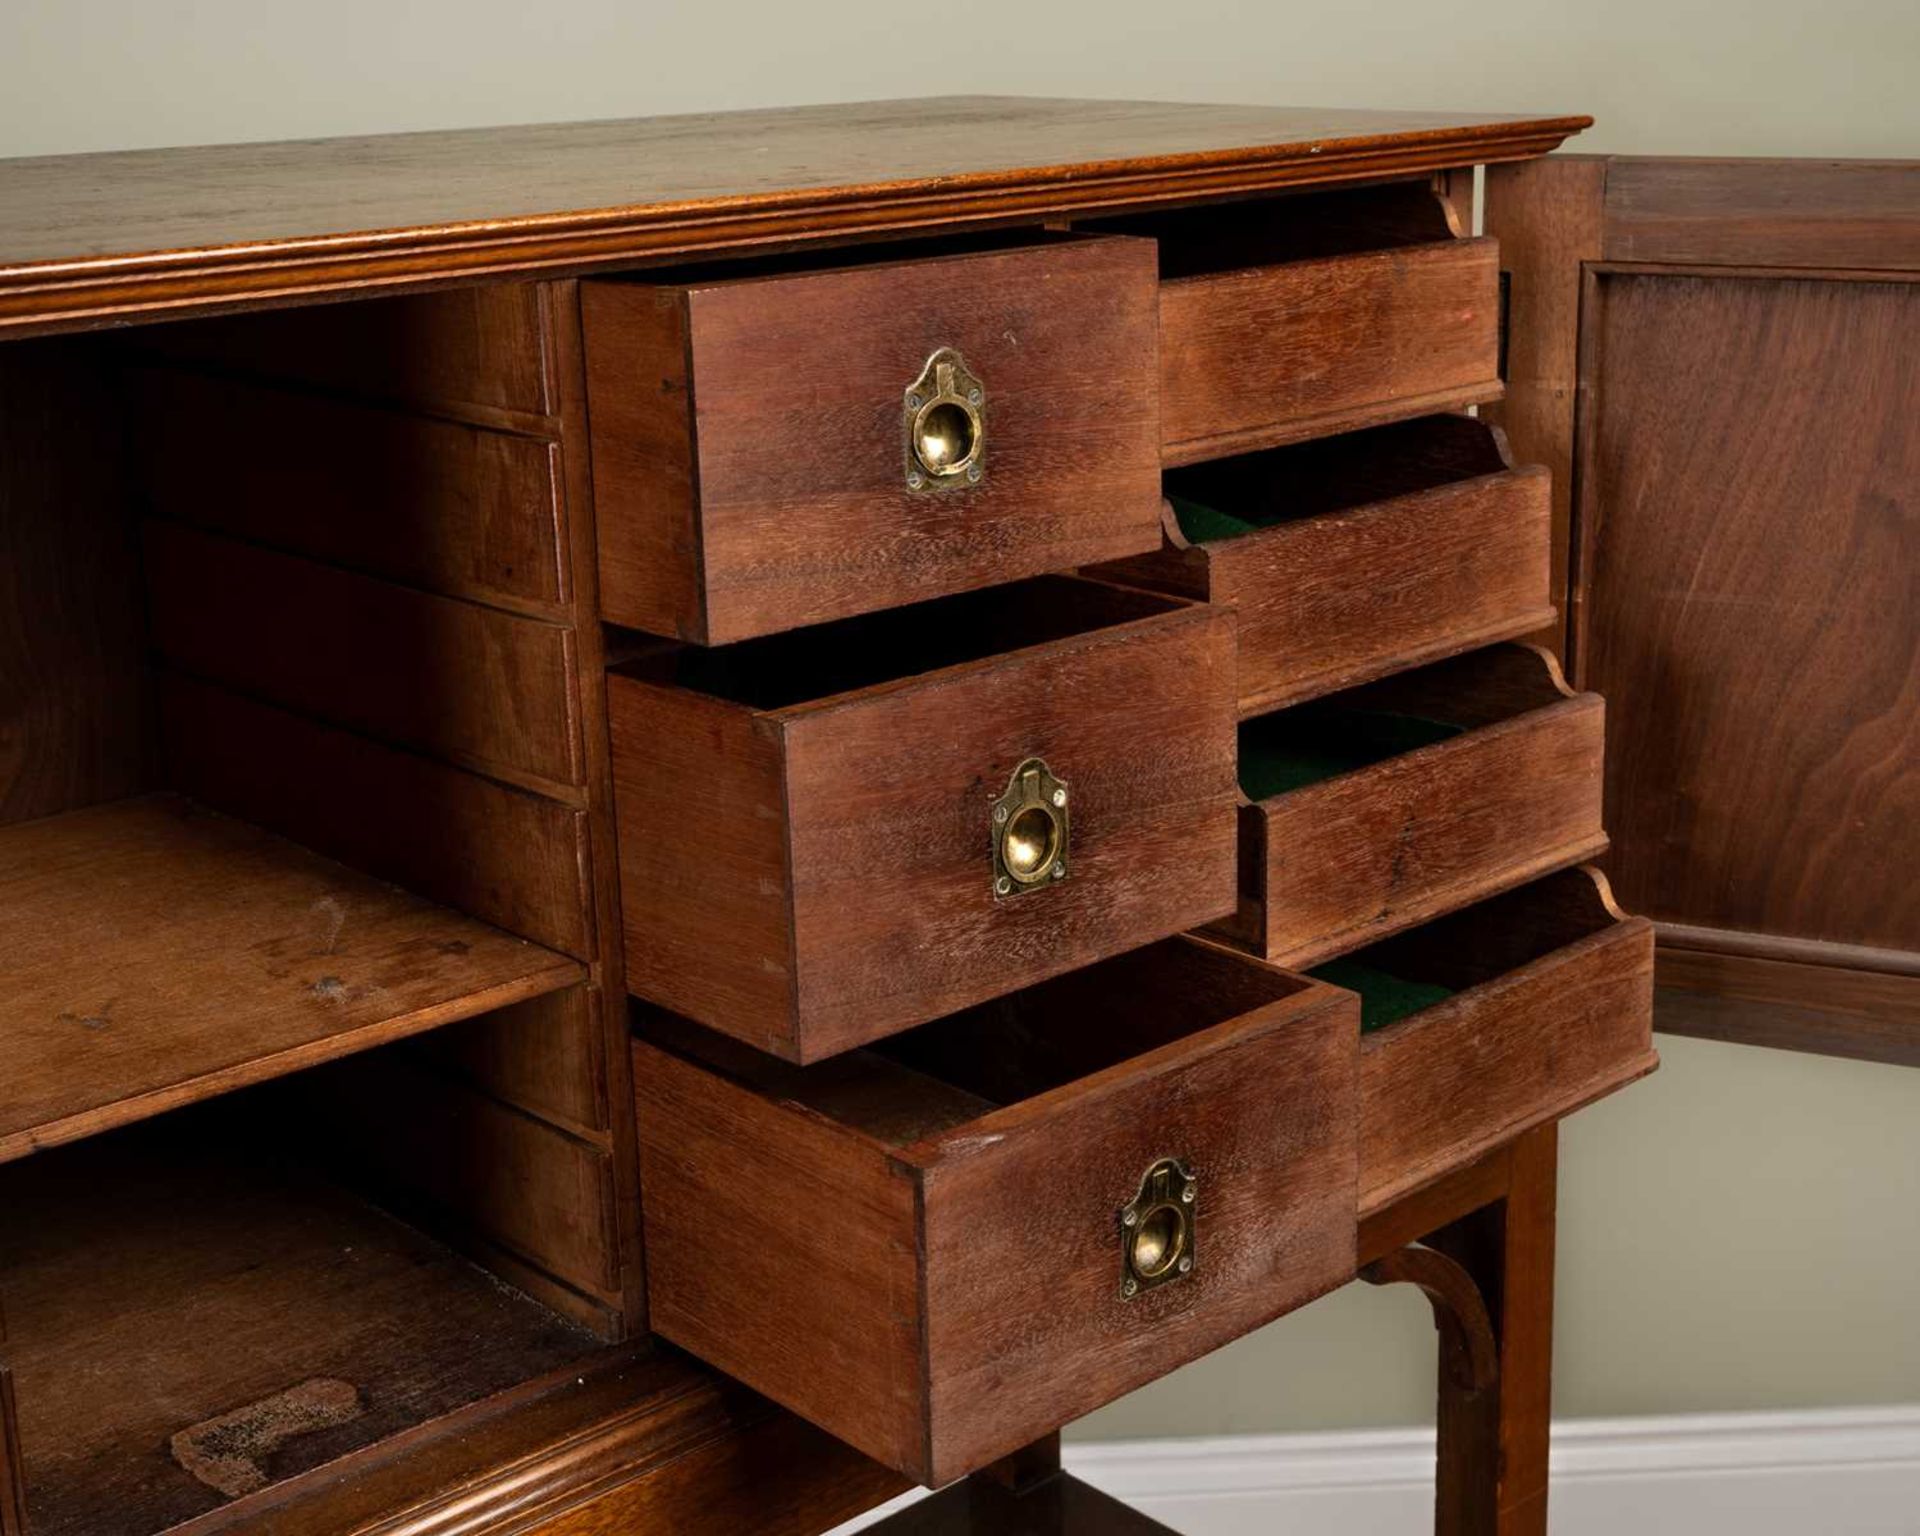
(1485, 1023)
(943, 1247)
(1387, 804)
(1299, 317)
(838, 834)
(782, 443)
(1357, 556)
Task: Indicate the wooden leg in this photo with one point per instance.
(1493, 1441)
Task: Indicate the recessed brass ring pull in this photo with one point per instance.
(946, 425)
(1156, 1229)
(1030, 831)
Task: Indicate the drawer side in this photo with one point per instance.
(782, 1249)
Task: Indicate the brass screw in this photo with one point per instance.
(914, 482)
(1129, 1288)
(1059, 797)
(913, 402)
(1003, 885)
(1059, 871)
(973, 473)
(999, 813)
(1131, 1218)
(1187, 1194)
(1186, 1265)
(973, 395)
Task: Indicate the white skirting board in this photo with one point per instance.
(1824, 1472)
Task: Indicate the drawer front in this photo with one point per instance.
(815, 877)
(926, 1250)
(1336, 599)
(1275, 354)
(1364, 853)
(751, 438)
(1028, 1321)
(1140, 731)
(1551, 1007)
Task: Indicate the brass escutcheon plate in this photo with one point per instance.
(1030, 831)
(1157, 1229)
(945, 425)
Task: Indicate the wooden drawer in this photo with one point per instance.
(809, 850)
(1388, 804)
(1354, 557)
(1304, 346)
(922, 1246)
(752, 452)
(1488, 1022)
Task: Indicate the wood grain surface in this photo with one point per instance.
(473, 685)
(158, 954)
(1753, 600)
(476, 354)
(1812, 213)
(510, 858)
(155, 1284)
(817, 871)
(1355, 857)
(452, 508)
(1376, 551)
(73, 708)
(539, 1191)
(748, 433)
(1740, 336)
(1026, 1327)
(923, 1322)
(1552, 1009)
(1265, 355)
(102, 235)
(1547, 216)
(542, 1056)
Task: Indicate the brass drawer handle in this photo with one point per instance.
(1156, 1229)
(946, 425)
(1030, 831)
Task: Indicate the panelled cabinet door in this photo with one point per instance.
(1720, 361)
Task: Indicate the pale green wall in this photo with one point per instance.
(1741, 1231)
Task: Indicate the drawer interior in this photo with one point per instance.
(1399, 976)
(1226, 498)
(942, 1076)
(780, 671)
(1343, 732)
(1224, 237)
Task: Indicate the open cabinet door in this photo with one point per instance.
(1720, 362)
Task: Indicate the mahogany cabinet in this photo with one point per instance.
(611, 746)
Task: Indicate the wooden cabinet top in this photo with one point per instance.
(94, 239)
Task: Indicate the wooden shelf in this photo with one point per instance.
(157, 953)
(188, 1323)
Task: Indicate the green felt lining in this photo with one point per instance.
(1202, 524)
(1384, 998)
(1312, 742)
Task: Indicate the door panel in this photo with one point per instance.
(1739, 411)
